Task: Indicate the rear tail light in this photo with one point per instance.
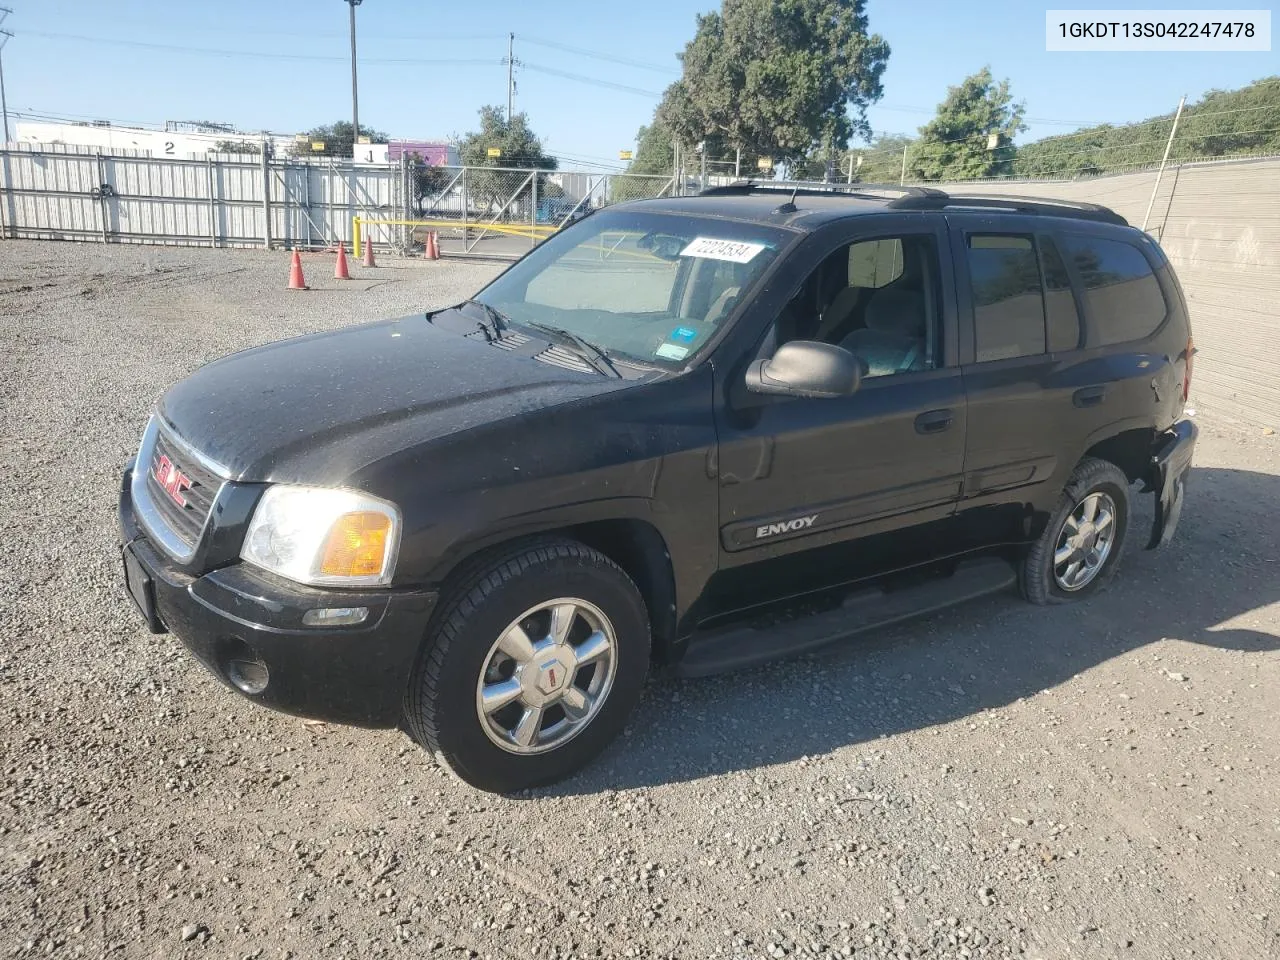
(1186, 379)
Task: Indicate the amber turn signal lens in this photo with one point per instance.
(356, 545)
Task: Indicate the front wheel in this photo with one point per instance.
(1080, 548)
(534, 664)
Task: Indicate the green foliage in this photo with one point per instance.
(520, 147)
(954, 144)
(428, 181)
(654, 150)
(337, 140)
(881, 160)
(776, 78)
(236, 146)
(1222, 123)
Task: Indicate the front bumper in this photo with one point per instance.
(1167, 478)
(246, 628)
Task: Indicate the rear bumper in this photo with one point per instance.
(246, 628)
(1167, 478)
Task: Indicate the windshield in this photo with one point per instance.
(648, 287)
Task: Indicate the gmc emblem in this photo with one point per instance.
(172, 480)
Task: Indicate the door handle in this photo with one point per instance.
(934, 421)
(1088, 396)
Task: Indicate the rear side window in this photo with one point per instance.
(1008, 308)
(1061, 316)
(1125, 302)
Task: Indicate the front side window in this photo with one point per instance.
(649, 287)
(1125, 302)
(1008, 306)
(876, 298)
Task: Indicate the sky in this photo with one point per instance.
(592, 73)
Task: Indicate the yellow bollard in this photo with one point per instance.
(355, 237)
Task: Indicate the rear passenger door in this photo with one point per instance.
(1027, 406)
(1123, 306)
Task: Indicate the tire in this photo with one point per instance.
(1106, 486)
(486, 601)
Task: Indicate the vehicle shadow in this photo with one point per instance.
(984, 654)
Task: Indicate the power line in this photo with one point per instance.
(263, 55)
(598, 55)
(593, 81)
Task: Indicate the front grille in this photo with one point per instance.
(186, 521)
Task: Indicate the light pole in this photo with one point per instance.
(5, 36)
(355, 97)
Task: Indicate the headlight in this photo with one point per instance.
(324, 537)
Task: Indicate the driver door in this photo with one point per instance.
(868, 482)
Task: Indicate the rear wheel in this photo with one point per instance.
(1081, 546)
(534, 664)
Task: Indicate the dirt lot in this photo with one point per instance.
(1093, 781)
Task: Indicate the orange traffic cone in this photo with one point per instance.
(426, 246)
(434, 239)
(340, 268)
(368, 254)
(295, 273)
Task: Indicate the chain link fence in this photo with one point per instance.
(66, 193)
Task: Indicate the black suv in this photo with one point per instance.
(706, 431)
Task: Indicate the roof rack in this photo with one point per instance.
(924, 198)
(1042, 206)
(804, 188)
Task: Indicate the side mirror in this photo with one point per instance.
(806, 368)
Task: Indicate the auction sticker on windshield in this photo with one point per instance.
(709, 248)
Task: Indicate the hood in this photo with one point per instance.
(316, 409)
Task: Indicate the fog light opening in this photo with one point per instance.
(249, 676)
(335, 616)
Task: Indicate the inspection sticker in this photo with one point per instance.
(734, 251)
(669, 351)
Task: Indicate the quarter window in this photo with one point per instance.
(1125, 302)
(1008, 305)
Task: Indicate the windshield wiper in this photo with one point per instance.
(595, 356)
(495, 320)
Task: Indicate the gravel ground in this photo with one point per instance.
(1097, 780)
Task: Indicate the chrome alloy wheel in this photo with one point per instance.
(547, 676)
(1085, 542)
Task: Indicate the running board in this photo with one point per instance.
(739, 647)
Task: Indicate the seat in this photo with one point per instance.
(893, 339)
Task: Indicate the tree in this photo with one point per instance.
(337, 140)
(654, 150)
(428, 180)
(776, 78)
(881, 159)
(955, 144)
(519, 146)
(236, 146)
(1222, 123)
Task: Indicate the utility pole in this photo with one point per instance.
(355, 90)
(511, 75)
(5, 36)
